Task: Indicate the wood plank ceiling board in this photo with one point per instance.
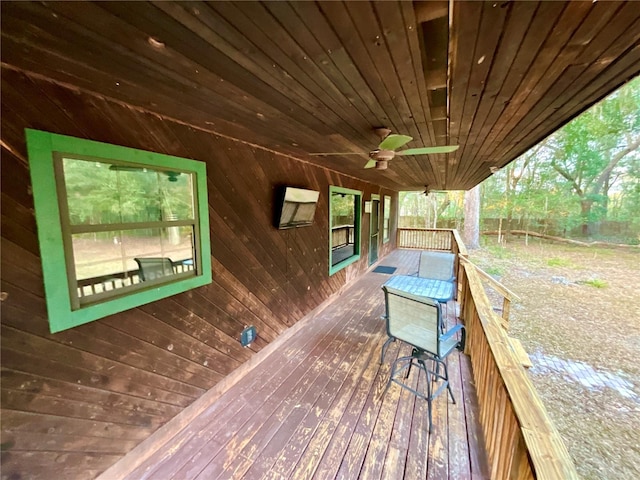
(419, 61)
(540, 26)
(557, 52)
(365, 45)
(565, 70)
(393, 27)
(506, 52)
(272, 46)
(306, 77)
(588, 64)
(561, 32)
(465, 27)
(110, 82)
(383, 34)
(490, 29)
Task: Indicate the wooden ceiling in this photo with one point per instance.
(302, 77)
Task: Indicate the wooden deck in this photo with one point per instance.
(315, 409)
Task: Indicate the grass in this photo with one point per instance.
(559, 262)
(494, 270)
(596, 283)
(598, 424)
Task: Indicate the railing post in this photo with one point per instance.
(506, 307)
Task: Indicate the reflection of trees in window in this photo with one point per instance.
(119, 213)
(342, 207)
(386, 227)
(100, 192)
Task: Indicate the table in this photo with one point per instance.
(439, 290)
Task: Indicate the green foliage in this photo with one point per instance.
(494, 270)
(426, 211)
(595, 282)
(559, 262)
(100, 194)
(343, 208)
(587, 172)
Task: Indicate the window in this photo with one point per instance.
(344, 224)
(117, 227)
(386, 227)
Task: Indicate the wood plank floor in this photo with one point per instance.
(317, 409)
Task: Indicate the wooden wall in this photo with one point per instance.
(74, 402)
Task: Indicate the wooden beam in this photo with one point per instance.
(427, 11)
(436, 79)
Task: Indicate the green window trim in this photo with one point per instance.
(42, 148)
(386, 219)
(357, 225)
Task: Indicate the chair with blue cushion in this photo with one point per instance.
(153, 268)
(417, 321)
(437, 265)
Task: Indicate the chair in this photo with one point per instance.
(437, 265)
(417, 321)
(152, 268)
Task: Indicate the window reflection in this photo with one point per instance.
(128, 224)
(343, 221)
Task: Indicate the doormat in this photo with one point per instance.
(387, 270)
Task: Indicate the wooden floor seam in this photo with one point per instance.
(318, 409)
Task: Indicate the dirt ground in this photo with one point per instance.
(579, 320)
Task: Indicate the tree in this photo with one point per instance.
(471, 233)
(586, 172)
(588, 151)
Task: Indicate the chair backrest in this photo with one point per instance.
(152, 268)
(437, 265)
(413, 319)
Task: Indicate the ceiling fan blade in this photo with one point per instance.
(370, 164)
(427, 150)
(394, 141)
(335, 153)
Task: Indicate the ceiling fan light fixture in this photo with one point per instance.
(383, 132)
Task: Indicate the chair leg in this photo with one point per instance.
(431, 377)
(446, 379)
(393, 372)
(429, 395)
(384, 348)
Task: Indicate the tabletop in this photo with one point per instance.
(425, 287)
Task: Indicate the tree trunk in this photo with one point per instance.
(507, 194)
(471, 234)
(585, 213)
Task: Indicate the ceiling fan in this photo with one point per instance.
(386, 151)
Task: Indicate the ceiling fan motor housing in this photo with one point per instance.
(382, 164)
(382, 155)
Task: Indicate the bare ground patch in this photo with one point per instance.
(579, 320)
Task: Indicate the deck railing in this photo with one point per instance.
(114, 281)
(425, 238)
(507, 295)
(342, 235)
(520, 438)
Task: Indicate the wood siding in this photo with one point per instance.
(76, 401)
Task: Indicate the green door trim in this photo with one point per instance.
(374, 237)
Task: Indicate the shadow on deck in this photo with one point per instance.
(315, 408)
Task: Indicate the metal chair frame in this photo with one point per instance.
(422, 354)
